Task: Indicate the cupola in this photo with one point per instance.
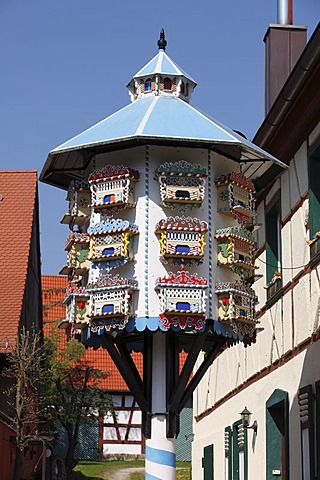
(161, 76)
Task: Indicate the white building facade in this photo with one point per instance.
(278, 377)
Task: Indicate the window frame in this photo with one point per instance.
(273, 226)
(279, 400)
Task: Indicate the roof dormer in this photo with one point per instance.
(161, 76)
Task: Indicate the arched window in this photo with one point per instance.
(183, 88)
(108, 251)
(148, 85)
(167, 84)
(109, 198)
(183, 249)
(109, 308)
(183, 306)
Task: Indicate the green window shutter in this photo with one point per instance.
(305, 401)
(277, 435)
(228, 453)
(314, 192)
(239, 453)
(317, 436)
(314, 208)
(273, 239)
(207, 462)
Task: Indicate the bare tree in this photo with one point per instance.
(25, 367)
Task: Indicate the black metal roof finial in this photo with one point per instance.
(162, 42)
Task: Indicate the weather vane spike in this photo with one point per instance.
(162, 43)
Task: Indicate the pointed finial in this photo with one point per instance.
(162, 43)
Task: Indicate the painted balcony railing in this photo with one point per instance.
(111, 301)
(77, 309)
(236, 194)
(182, 184)
(77, 247)
(79, 204)
(181, 239)
(182, 300)
(236, 305)
(236, 250)
(112, 242)
(112, 188)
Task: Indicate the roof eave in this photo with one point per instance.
(64, 165)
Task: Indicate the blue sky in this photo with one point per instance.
(65, 65)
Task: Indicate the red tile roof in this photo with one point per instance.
(18, 193)
(53, 293)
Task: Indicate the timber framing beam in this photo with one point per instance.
(129, 374)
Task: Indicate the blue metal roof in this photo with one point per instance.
(162, 117)
(158, 117)
(163, 65)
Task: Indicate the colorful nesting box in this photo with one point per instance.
(182, 300)
(79, 203)
(77, 307)
(235, 194)
(112, 241)
(182, 184)
(112, 187)
(182, 239)
(236, 304)
(77, 247)
(236, 250)
(111, 301)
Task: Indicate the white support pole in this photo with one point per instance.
(160, 450)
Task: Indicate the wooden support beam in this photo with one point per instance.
(124, 352)
(124, 368)
(178, 392)
(194, 382)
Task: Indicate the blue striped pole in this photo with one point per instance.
(160, 450)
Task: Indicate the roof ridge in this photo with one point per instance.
(20, 171)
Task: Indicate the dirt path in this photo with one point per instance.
(123, 474)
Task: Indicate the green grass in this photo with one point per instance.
(95, 469)
(137, 476)
(183, 472)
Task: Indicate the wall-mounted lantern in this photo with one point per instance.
(246, 419)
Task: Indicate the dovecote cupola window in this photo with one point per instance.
(148, 85)
(167, 84)
(161, 76)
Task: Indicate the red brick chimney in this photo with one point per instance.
(284, 43)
